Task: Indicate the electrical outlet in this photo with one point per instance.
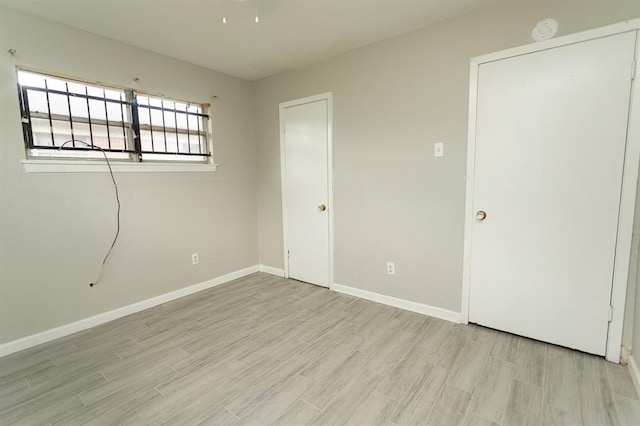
(391, 268)
(195, 259)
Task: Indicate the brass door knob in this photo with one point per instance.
(481, 215)
(322, 207)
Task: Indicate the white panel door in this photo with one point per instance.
(550, 145)
(306, 191)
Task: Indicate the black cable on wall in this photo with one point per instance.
(115, 186)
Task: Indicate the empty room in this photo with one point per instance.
(325, 212)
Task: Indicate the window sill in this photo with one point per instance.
(80, 166)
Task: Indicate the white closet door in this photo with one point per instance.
(306, 186)
(550, 145)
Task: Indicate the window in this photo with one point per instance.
(72, 119)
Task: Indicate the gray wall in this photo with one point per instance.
(392, 100)
(55, 228)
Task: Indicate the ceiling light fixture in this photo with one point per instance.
(257, 18)
(225, 4)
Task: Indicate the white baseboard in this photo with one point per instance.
(635, 374)
(74, 327)
(271, 270)
(407, 305)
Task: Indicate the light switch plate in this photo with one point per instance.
(438, 149)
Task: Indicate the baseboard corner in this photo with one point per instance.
(271, 270)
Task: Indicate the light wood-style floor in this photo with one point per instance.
(265, 350)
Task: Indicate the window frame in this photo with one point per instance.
(131, 128)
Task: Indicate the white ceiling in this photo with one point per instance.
(290, 34)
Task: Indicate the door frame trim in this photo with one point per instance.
(328, 96)
(629, 177)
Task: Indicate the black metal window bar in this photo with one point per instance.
(57, 113)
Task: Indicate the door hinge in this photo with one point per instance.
(288, 254)
(610, 313)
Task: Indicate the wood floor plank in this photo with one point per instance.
(354, 307)
(491, 396)
(620, 379)
(100, 346)
(112, 410)
(421, 397)
(148, 377)
(333, 358)
(596, 401)
(591, 366)
(389, 356)
(224, 354)
(222, 315)
(318, 328)
(119, 328)
(15, 364)
(15, 371)
(505, 347)
(203, 397)
(470, 364)
(268, 362)
(50, 413)
(379, 333)
(275, 406)
(413, 322)
(268, 337)
(361, 316)
(375, 411)
(474, 420)
(529, 365)
(524, 406)
(354, 394)
(561, 380)
(210, 373)
(433, 334)
(212, 342)
(628, 410)
(552, 416)
(57, 376)
(451, 407)
(140, 361)
(220, 417)
(14, 386)
(204, 408)
(451, 347)
(327, 387)
(166, 339)
(483, 334)
(400, 379)
(14, 408)
(286, 343)
(268, 385)
(300, 413)
(325, 342)
(47, 395)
